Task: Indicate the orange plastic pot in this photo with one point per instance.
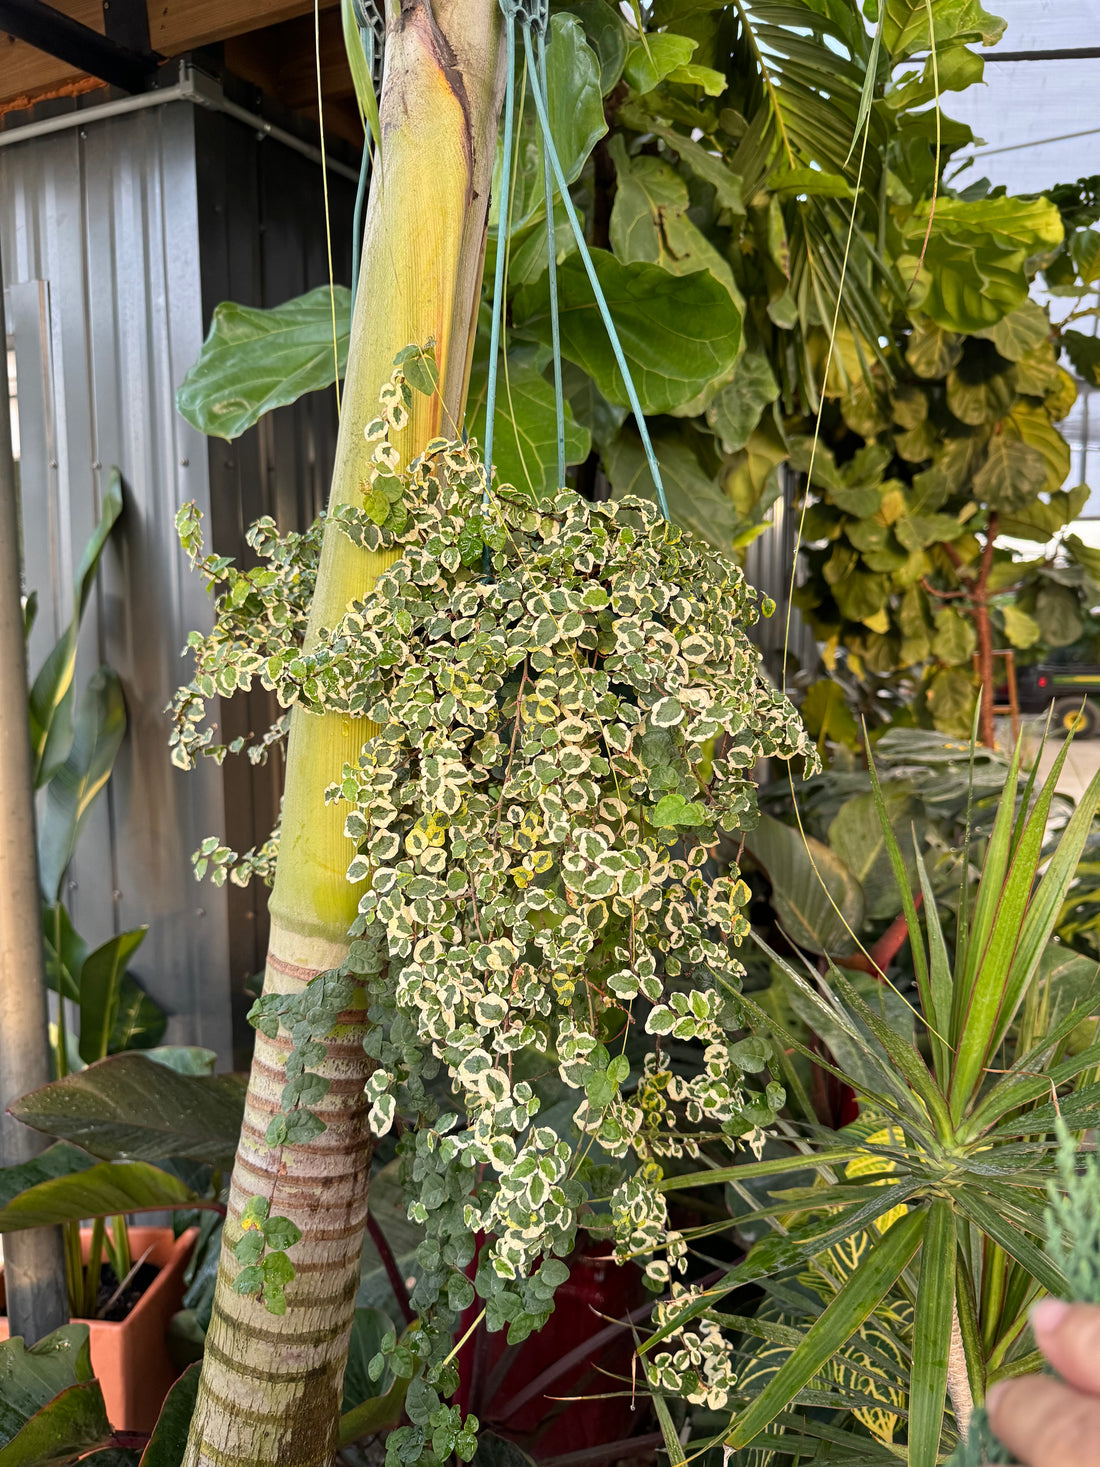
(130, 1357)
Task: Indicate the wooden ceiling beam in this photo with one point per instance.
(175, 26)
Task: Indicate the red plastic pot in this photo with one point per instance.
(130, 1357)
(519, 1391)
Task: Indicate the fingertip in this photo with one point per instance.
(1047, 1315)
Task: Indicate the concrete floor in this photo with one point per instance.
(1081, 764)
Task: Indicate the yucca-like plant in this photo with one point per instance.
(959, 1164)
(1073, 1243)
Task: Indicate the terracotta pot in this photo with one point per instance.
(130, 1357)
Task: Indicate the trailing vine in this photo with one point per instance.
(566, 712)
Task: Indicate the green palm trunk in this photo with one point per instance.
(271, 1385)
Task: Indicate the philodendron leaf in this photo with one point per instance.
(817, 898)
(51, 1407)
(51, 696)
(131, 1105)
(525, 452)
(254, 360)
(169, 1440)
(97, 733)
(101, 991)
(577, 121)
(65, 1184)
(977, 255)
(680, 334)
(65, 949)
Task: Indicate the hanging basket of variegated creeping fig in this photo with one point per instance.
(564, 712)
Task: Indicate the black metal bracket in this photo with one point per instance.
(127, 23)
(105, 57)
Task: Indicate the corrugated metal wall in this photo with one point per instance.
(768, 563)
(118, 237)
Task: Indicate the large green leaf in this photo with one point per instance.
(131, 1106)
(254, 360)
(856, 836)
(51, 695)
(739, 405)
(817, 898)
(65, 951)
(680, 334)
(51, 1407)
(695, 498)
(1084, 353)
(139, 1022)
(369, 1406)
(905, 25)
(101, 982)
(577, 122)
(97, 734)
(525, 452)
(169, 1440)
(650, 222)
(932, 1335)
(977, 256)
(606, 34)
(856, 1300)
(65, 1184)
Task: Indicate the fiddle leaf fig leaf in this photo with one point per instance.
(577, 122)
(977, 255)
(695, 498)
(1084, 353)
(254, 360)
(649, 61)
(680, 334)
(905, 25)
(525, 452)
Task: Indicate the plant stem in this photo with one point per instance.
(93, 1268)
(389, 1263)
(979, 601)
(271, 1386)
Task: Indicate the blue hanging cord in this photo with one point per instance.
(616, 346)
(552, 266)
(372, 54)
(503, 229)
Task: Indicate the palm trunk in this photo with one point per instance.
(271, 1385)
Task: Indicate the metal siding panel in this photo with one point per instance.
(107, 215)
(136, 227)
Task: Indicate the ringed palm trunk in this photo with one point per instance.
(271, 1385)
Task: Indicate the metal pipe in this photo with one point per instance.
(34, 1261)
(194, 87)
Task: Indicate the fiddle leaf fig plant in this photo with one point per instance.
(560, 710)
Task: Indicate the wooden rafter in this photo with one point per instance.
(175, 26)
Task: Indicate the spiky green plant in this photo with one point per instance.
(1073, 1245)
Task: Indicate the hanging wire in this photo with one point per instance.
(552, 267)
(372, 35)
(503, 230)
(533, 15)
